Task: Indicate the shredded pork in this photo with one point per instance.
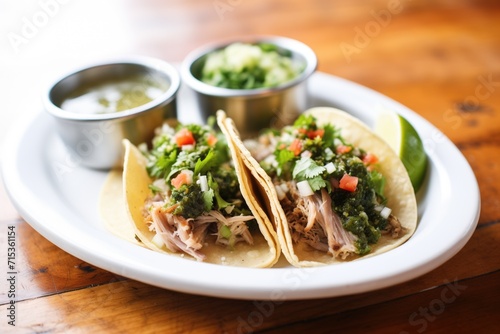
(189, 235)
(312, 220)
(163, 224)
(303, 213)
(393, 227)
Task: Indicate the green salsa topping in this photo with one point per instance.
(194, 166)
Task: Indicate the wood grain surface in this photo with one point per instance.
(439, 58)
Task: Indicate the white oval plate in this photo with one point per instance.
(60, 200)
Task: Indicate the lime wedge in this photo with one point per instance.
(406, 142)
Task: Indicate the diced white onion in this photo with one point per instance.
(330, 167)
(187, 147)
(202, 181)
(328, 153)
(279, 192)
(386, 212)
(306, 154)
(304, 188)
(271, 160)
(167, 129)
(284, 187)
(286, 137)
(143, 147)
(157, 240)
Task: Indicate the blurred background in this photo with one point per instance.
(392, 46)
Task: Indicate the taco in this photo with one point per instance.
(190, 195)
(336, 192)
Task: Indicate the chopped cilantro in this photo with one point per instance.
(204, 165)
(284, 158)
(221, 203)
(306, 168)
(378, 181)
(185, 160)
(330, 134)
(317, 183)
(208, 199)
(159, 166)
(305, 121)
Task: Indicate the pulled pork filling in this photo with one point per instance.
(312, 220)
(327, 235)
(179, 234)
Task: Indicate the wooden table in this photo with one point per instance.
(439, 58)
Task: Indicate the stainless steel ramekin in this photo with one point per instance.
(96, 139)
(253, 109)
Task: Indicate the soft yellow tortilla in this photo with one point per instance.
(250, 193)
(113, 209)
(135, 182)
(265, 187)
(398, 188)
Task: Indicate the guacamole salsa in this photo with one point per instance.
(249, 66)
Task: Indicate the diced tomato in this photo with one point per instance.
(370, 159)
(348, 182)
(296, 146)
(184, 177)
(311, 134)
(184, 137)
(341, 149)
(211, 139)
(315, 133)
(302, 131)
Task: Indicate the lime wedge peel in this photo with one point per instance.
(405, 141)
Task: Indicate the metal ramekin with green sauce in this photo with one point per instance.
(98, 106)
